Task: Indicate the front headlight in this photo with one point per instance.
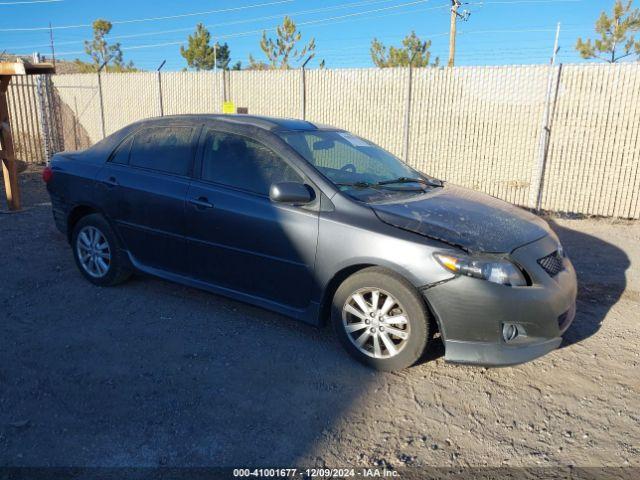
(496, 270)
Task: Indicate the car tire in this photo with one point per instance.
(407, 304)
(117, 266)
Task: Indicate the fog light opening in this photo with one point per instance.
(510, 332)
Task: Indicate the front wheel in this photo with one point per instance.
(380, 319)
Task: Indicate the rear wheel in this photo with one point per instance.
(97, 251)
(380, 319)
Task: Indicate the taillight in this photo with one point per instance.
(47, 174)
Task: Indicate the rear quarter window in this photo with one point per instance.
(121, 154)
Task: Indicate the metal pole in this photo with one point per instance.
(53, 51)
(42, 107)
(100, 97)
(215, 56)
(75, 122)
(224, 85)
(160, 88)
(303, 89)
(407, 111)
(535, 193)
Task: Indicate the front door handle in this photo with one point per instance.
(201, 203)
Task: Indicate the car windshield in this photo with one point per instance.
(358, 167)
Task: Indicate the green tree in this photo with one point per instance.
(101, 52)
(412, 47)
(223, 56)
(199, 54)
(616, 35)
(283, 51)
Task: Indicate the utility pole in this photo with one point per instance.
(464, 15)
(53, 51)
(452, 31)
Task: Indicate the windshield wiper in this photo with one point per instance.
(375, 185)
(357, 184)
(430, 183)
(378, 185)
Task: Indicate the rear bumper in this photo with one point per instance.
(471, 313)
(60, 212)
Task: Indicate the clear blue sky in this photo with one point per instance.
(498, 32)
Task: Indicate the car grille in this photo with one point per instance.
(552, 263)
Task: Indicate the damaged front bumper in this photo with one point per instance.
(472, 313)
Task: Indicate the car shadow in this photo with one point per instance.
(600, 267)
(151, 373)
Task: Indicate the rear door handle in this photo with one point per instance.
(111, 182)
(201, 203)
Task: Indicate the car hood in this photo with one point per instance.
(474, 221)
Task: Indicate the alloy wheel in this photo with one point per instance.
(93, 251)
(375, 322)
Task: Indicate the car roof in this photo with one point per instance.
(266, 123)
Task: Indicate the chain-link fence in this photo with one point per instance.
(563, 138)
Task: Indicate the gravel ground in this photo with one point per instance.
(150, 373)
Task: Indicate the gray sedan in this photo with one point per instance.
(318, 224)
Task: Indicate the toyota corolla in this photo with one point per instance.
(320, 225)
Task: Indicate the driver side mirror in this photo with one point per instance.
(291, 192)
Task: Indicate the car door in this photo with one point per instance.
(239, 239)
(144, 185)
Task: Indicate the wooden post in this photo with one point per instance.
(7, 154)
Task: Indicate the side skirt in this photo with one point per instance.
(310, 315)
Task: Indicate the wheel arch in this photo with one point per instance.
(333, 284)
(80, 211)
(346, 271)
(76, 213)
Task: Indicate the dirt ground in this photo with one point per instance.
(150, 373)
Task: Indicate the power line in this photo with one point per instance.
(252, 32)
(150, 19)
(510, 2)
(222, 24)
(29, 2)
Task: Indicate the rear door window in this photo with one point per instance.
(243, 163)
(163, 149)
